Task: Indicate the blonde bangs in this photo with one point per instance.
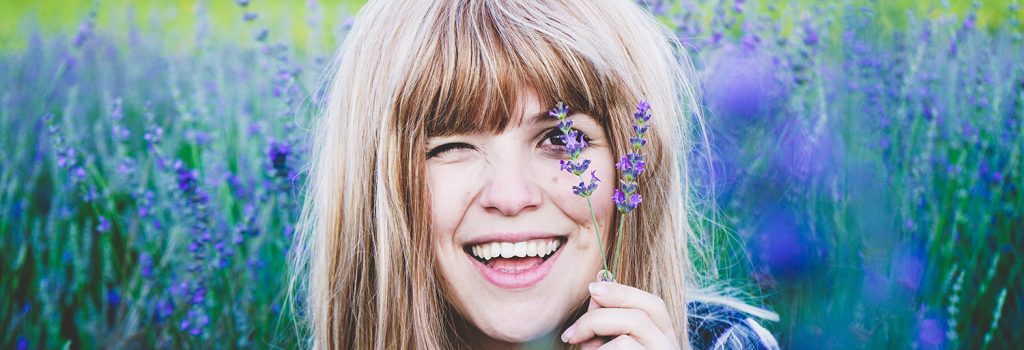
(479, 60)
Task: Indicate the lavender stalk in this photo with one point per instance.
(574, 145)
(631, 165)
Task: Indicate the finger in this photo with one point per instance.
(622, 342)
(612, 322)
(592, 305)
(614, 295)
(593, 343)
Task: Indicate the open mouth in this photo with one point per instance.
(515, 264)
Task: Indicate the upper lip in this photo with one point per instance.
(511, 237)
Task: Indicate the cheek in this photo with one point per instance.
(560, 190)
(449, 198)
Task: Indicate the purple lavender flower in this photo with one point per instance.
(278, 154)
(152, 136)
(187, 179)
(742, 85)
(194, 322)
(810, 38)
(632, 164)
(65, 157)
(104, 225)
(85, 30)
(624, 205)
(146, 265)
(262, 35)
(574, 145)
(164, 310)
(931, 334)
(909, 269)
(113, 298)
(586, 190)
(737, 6)
(785, 247)
(117, 131)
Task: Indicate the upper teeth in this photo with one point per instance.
(537, 247)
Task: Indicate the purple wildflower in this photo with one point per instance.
(104, 225)
(187, 179)
(930, 334)
(194, 322)
(144, 202)
(810, 38)
(632, 164)
(785, 247)
(909, 268)
(153, 135)
(586, 190)
(623, 204)
(278, 154)
(117, 131)
(574, 145)
(113, 298)
(262, 35)
(146, 265)
(742, 85)
(65, 157)
(85, 30)
(164, 310)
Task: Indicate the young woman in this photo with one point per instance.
(436, 159)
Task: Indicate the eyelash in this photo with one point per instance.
(552, 133)
(446, 147)
(555, 133)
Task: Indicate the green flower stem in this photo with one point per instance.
(597, 231)
(618, 243)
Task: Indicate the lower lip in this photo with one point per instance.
(518, 280)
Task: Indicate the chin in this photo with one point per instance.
(516, 328)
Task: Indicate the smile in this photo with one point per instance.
(537, 247)
(515, 264)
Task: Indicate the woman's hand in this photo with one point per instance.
(622, 317)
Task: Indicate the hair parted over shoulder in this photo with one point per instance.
(363, 267)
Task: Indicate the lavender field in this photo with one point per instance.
(867, 169)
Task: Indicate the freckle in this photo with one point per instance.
(554, 179)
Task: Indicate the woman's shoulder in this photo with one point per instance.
(718, 327)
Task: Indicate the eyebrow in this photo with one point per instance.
(539, 117)
(544, 117)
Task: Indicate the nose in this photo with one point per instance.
(510, 190)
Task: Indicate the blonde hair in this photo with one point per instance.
(362, 263)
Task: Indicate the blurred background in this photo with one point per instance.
(866, 167)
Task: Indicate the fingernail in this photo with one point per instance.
(568, 333)
(597, 289)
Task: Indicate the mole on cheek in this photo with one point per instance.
(554, 179)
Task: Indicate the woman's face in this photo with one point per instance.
(515, 246)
